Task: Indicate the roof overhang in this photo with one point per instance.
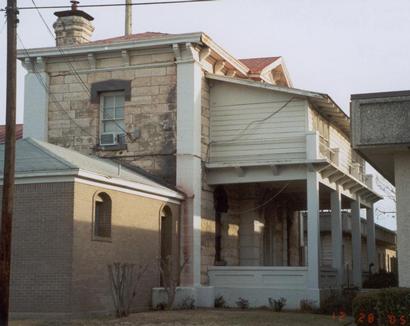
(163, 40)
(323, 103)
(79, 174)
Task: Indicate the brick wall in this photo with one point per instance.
(152, 108)
(57, 267)
(135, 239)
(42, 249)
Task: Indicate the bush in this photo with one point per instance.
(339, 303)
(307, 305)
(381, 280)
(188, 303)
(242, 303)
(383, 307)
(277, 305)
(219, 302)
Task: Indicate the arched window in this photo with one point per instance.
(102, 216)
(166, 241)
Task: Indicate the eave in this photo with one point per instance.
(323, 103)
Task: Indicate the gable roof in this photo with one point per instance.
(19, 132)
(35, 158)
(256, 65)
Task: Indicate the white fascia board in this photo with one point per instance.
(251, 83)
(115, 46)
(57, 176)
(131, 185)
(242, 68)
(126, 190)
(278, 62)
(267, 163)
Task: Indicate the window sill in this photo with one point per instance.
(101, 239)
(117, 147)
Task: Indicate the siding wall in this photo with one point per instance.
(335, 139)
(238, 136)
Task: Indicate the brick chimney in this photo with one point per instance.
(73, 26)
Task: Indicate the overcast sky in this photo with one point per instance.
(335, 47)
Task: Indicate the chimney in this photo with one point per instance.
(73, 26)
(128, 17)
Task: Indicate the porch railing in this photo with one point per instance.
(258, 277)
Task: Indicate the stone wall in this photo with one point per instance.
(207, 204)
(74, 122)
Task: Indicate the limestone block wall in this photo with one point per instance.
(150, 115)
(207, 205)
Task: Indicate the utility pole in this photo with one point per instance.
(128, 17)
(9, 163)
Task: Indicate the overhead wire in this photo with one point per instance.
(75, 72)
(263, 204)
(242, 132)
(50, 94)
(115, 4)
(3, 27)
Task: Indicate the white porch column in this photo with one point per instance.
(356, 243)
(371, 240)
(189, 170)
(313, 236)
(337, 233)
(36, 83)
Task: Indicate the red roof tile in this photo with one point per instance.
(19, 132)
(131, 37)
(256, 65)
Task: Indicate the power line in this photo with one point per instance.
(74, 71)
(263, 204)
(4, 26)
(50, 94)
(115, 4)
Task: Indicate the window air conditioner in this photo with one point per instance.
(108, 139)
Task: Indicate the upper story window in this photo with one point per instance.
(112, 118)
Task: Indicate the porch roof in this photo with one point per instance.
(323, 103)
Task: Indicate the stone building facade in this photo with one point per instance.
(164, 84)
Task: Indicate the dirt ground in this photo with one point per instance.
(202, 317)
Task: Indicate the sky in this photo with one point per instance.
(334, 47)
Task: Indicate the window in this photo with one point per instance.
(112, 118)
(102, 216)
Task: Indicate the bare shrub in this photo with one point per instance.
(171, 273)
(125, 279)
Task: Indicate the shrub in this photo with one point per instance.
(188, 303)
(242, 303)
(383, 307)
(307, 305)
(220, 302)
(381, 280)
(339, 303)
(277, 305)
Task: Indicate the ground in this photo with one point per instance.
(204, 317)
